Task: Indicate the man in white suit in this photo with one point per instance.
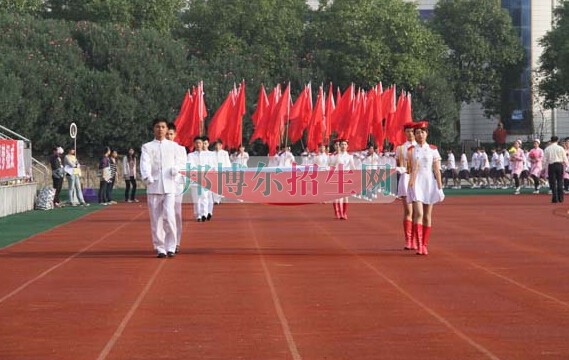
(171, 135)
(160, 165)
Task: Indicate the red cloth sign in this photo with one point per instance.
(8, 159)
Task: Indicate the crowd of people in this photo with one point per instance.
(516, 167)
(422, 176)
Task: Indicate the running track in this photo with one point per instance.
(270, 282)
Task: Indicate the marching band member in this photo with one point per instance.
(425, 189)
(160, 163)
(402, 186)
(171, 135)
(201, 161)
(344, 161)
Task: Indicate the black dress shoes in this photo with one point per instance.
(177, 249)
(208, 217)
(161, 256)
(171, 254)
(203, 218)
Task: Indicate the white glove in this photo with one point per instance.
(401, 169)
(441, 194)
(148, 181)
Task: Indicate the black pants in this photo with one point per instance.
(516, 180)
(535, 182)
(555, 173)
(57, 185)
(103, 192)
(130, 181)
(110, 186)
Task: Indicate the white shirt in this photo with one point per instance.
(322, 160)
(286, 159)
(555, 154)
(160, 164)
(484, 163)
(346, 160)
(451, 163)
(463, 162)
(475, 161)
(221, 157)
(241, 159)
(371, 160)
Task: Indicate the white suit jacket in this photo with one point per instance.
(160, 165)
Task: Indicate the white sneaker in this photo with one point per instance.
(517, 192)
(536, 192)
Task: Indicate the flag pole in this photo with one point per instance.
(287, 117)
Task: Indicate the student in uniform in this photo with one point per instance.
(322, 160)
(343, 161)
(171, 135)
(160, 165)
(221, 159)
(475, 168)
(517, 164)
(241, 157)
(450, 172)
(464, 173)
(286, 158)
(401, 153)
(425, 189)
(199, 160)
(332, 162)
(535, 157)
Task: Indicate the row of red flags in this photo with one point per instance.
(355, 115)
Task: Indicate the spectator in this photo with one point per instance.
(105, 176)
(499, 135)
(129, 174)
(57, 173)
(111, 184)
(73, 171)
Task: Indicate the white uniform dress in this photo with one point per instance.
(200, 160)
(425, 189)
(221, 158)
(402, 152)
(322, 160)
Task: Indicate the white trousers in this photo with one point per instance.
(210, 202)
(216, 197)
(163, 221)
(179, 224)
(200, 198)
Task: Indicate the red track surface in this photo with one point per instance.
(270, 282)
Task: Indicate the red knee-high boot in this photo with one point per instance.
(426, 237)
(408, 231)
(418, 232)
(345, 210)
(337, 209)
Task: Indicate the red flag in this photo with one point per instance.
(329, 112)
(405, 116)
(221, 119)
(263, 121)
(183, 119)
(344, 108)
(235, 128)
(315, 134)
(300, 114)
(262, 106)
(279, 115)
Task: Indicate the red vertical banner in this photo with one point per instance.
(8, 159)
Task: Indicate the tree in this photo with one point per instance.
(367, 41)
(161, 15)
(434, 100)
(554, 67)
(484, 49)
(21, 6)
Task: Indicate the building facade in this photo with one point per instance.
(532, 19)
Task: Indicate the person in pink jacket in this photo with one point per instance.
(536, 164)
(516, 163)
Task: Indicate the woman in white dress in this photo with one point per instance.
(403, 170)
(425, 185)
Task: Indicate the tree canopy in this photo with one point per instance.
(555, 61)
